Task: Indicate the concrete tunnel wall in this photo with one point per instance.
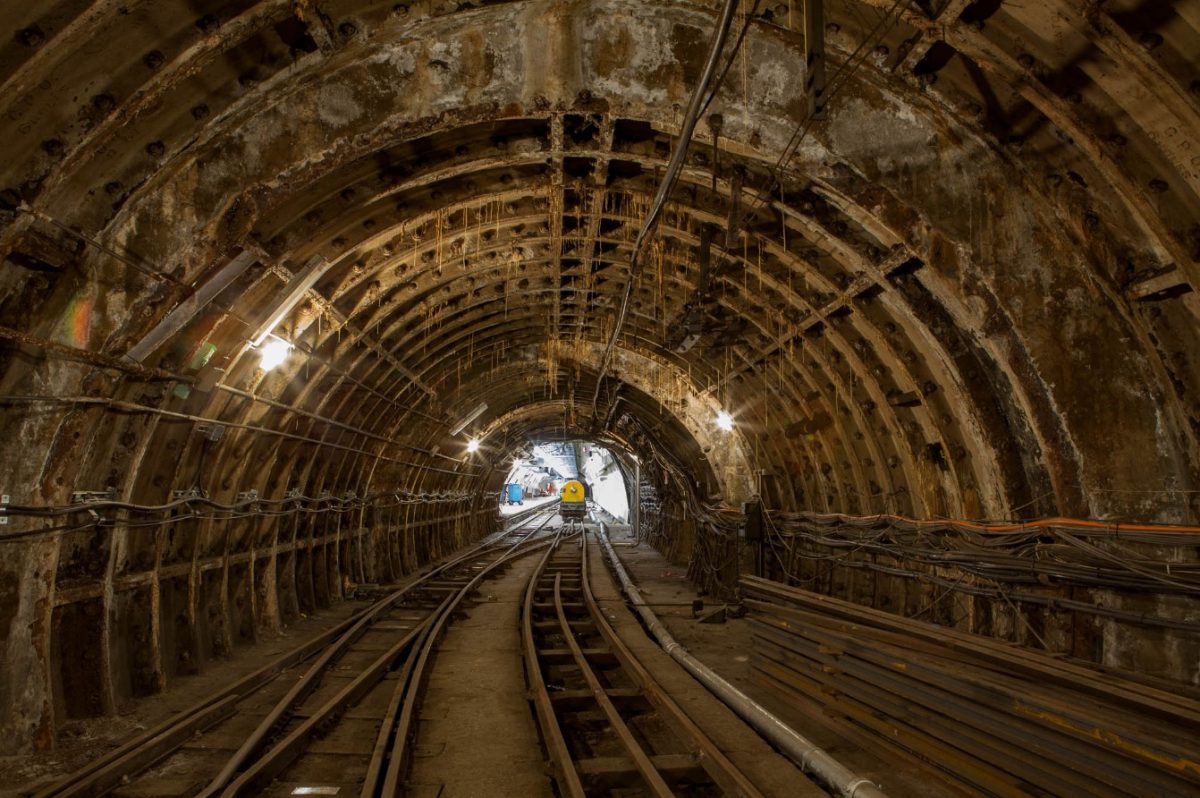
(969, 295)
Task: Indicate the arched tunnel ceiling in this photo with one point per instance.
(967, 292)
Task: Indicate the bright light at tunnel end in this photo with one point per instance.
(724, 421)
(273, 353)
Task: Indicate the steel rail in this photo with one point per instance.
(389, 756)
(966, 736)
(1149, 700)
(812, 759)
(1034, 718)
(519, 517)
(385, 741)
(703, 750)
(724, 772)
(107, 772)
(308, 682)
(563, 761)
(641, 759)
(413, 689)
(986, 778)
(273, 762)
(556, 745)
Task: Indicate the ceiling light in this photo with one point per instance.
(273, 353)
(724, 421)
(473, 445)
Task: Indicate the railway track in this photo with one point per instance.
(608, 726)
(344, 714)
(341, 704)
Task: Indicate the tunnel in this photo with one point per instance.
(892, 303)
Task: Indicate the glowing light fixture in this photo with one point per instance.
(473, 445)
(273, 353)
(724, 421)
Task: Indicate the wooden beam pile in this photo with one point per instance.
(1000, 719)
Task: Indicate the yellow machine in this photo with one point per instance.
(574, 500)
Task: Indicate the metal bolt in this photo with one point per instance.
(1150, 40)
(31, 36)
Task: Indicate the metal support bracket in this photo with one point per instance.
(250, 496)
(93, 496)
(183, 313)
(211, 432)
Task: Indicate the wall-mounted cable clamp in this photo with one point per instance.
(93, 496)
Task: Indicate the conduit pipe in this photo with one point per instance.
(1114, 528)
(832, 774)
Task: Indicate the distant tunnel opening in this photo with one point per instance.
(541, 475)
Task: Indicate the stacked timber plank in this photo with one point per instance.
(1001, 719)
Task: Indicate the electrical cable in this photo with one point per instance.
(737, 46)
(674, 166)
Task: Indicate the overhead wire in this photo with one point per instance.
(250, 507)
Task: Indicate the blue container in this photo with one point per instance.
(516, 494)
